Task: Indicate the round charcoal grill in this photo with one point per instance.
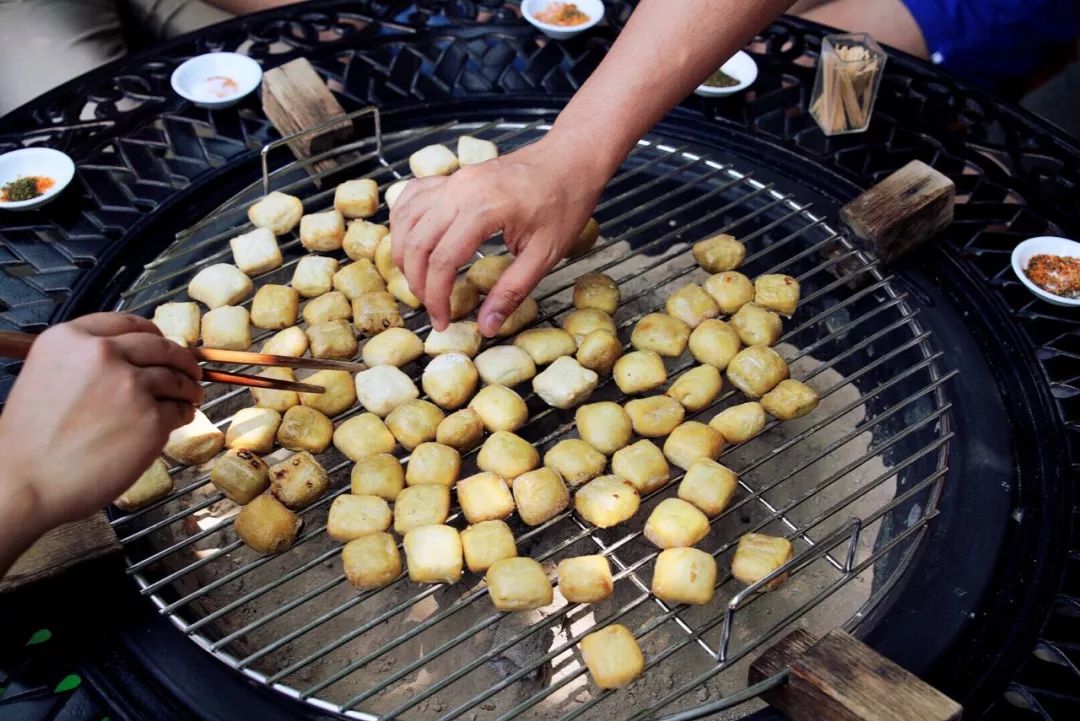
(854, 485)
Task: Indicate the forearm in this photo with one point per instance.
(244, 7)
(19, 526)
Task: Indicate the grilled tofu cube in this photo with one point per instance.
(599, 351)
(518, 584)
(545, 344)
(507, 455)
(256, 252)
(274, 307)
(305, 429)
(585, 579)
(253, 429)
(414, 422)
(290, 342)
(358, 278)
(195, 443)
(484, 497)
(757, 370)
(485, 272)
(731, 290)
(692, 305)
(565, 383)
(393, 347)
(640, 371)
(758, 555)
(353, 516)
(277, 211)
(684, 575)
(709, 485)
(332, 339)
(777, 292)
(719, 253)
(379, 474)
(605, 426)
(596, 290)
(398, 286)
(675, 523)
(606, 501)
(322, 232)
(266, 525)
(179, 320)
(433, 160)
(471, 151)
(450, 379)
(462, 430)
(540, 495)
(740, 423)
(154, 483)
(327, 307)
(314, 275)
(363, 435)
(691, 441)
(697, 388)
(433, 553)
(756, 325)
(643, 464)
(279, 401)
(384, 256)
(383, 388)
(219, 285)
(790, 399)
(433, 463)
(485, 543)
(662, 334)
(371, 561)
(421, 505)
(612, 656)
(394, 191)
(522, 317)
(461, 337)
(357, 198)
(575, 460)
(298, 480)
(375, 312)
(714, 342)
(500, 408)
(582, 321)
(464, 298)
(240, 475)
(505, 365)
(655, 416)
(227, 327)
(362, 238)
(586, 239)
(339, 396)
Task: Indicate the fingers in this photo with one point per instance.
(425, 236)
(167, 384)
(173, 414)
(110, 324)
(523, 275)
(146, 350)
(412, 205)
(455, 248)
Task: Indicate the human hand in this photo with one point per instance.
(90, 411)
(536, 196)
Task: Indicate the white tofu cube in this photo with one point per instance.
(334, 305)
(684, 575)
(195, 443)
(612, 656)
(314, 275)
(540, 495)
(500, 408)
(507, 455)
(565, 383)
(393, 347)
(758, 555)
(154, 483)
(362, 238)
(371, 561)
(383, 388)
(461, 337)
(449, 380)
(485, 543)
(256, 252)
(220, 284)
(280, 401)
(291, 342)
(433, 160)
(693, 440)
(709, 486)
(433, 554)
(274, 307)
(322, 232)
(357, 198)
(353, 516)
(674, 523)
(484, 497)
(643, 464)
(227, 327)
(421, 505)
(277, 211)
(433, 463)
(364, 435)
(379, 475)
(253, 429)
(518, 584)
(471, 151)
(179, 320)
(607, 501)
(585, 579)
(394, 191)
(505, 365)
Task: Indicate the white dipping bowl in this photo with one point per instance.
(593, 8)
(193, 79)
(36, 161)
(1044, 245)
(741, 67)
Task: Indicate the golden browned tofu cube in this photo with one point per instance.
(684, 575)
(291, 342)
(332, 339)
(522, 317)
(305, 429)
(485, 272)
(640, 371)
(719, 253)
(339, 394)
(500, 408)
(655, 416)
(433, 463)
(731, 290)
(433, 553)
(505, 365)
(758, 555)
(363, 435)
(740, 423)
(253, 429)
(464, 298)
(393, 347)
(777, 292)
(371, 561)
(691, 441)
(585, 579)
(662, 334)
(227, 327)
(398, 286)
(383, 388)
(605, 426)
(714, 342)
(327, 307)
(596, 290)
(599, 351)
(421, 505)
(240, 475)
(756, 325)
(256, 252)
(277, 211)
(675, 523)
(697, 388)
(379, 475)
(471, 151)
(279, 401)
(220, 284)
(322, 232)
(757, 370)
(579, 323)
(179, 320)
(518, 584)
(565, 383)
(643, 464)
(154, 483)
(606, 501)
(353, 516)
(195, 443)
(266, 525)
(485, 543)
(460, 337)
(540, 495)
(790, 399)
(692, 305)
(462, 430)
(545, 344)
(708, 485)
(357, 198)
(450, 380)
(484, 497)
(375, 312)
(274, 307)
(586, 239)
(362, 238)
(384, 251)
(298, 480)
(575, 460)
(414, 422)
(507, 455)
(314, 275)
(433, 160)
(612, 656)
(358, 278)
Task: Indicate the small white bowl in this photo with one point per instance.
(593, 8)
(36, 162)
(216, 80)
(1044, 245)
(741, 67)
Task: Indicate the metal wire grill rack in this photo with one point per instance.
(853, 485)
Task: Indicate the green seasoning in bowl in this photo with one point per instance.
(720, 79)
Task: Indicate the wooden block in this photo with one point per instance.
(61, 548)
(901, 212)
(842, 679)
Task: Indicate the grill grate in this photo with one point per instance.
(853, 485)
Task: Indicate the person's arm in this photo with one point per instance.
(90, 411)
(541, 195)
(244, 7)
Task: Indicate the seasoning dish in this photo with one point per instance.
(216, 80)
(740, 67)
(1044, 245)
(530, 9)
(46, 164)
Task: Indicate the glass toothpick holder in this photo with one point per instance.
(848, 75)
